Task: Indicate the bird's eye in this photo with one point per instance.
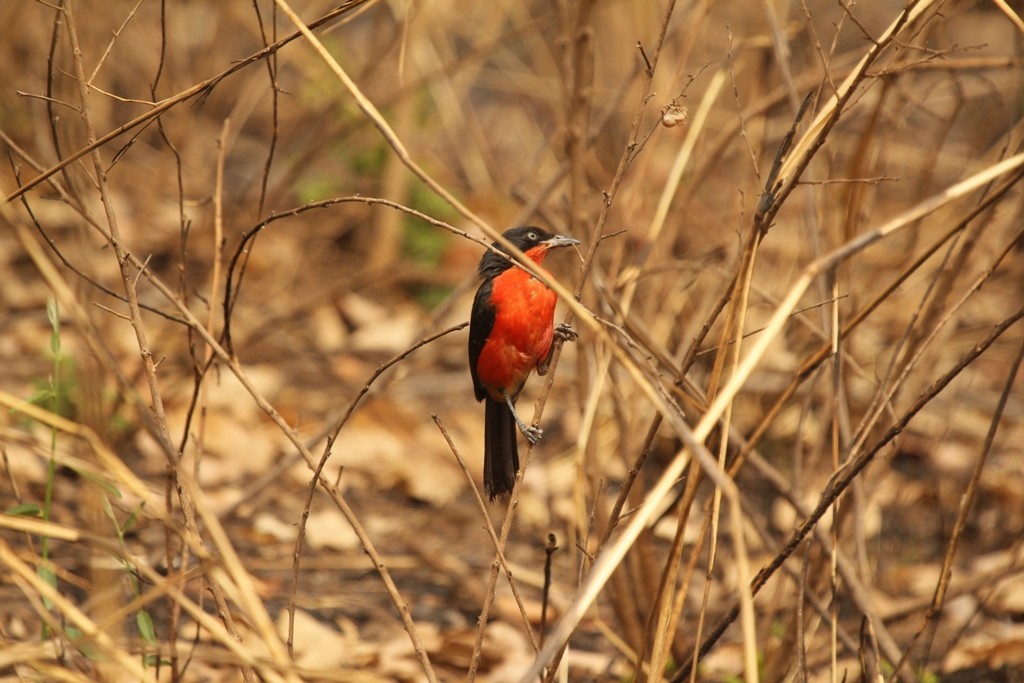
(532, 235)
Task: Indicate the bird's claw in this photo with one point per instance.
(565, 332)
(533, 434)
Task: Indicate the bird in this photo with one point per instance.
(511, 333)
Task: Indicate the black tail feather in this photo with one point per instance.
(501, 456)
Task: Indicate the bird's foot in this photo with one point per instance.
(532, 434)
(565, 333)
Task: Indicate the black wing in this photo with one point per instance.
(481, 322)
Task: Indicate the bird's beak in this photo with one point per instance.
(560, 241)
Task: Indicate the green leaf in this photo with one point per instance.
(132, 518)
(145, 623)
(25, 510)
(47, 575)
(99, 481)
(109, 509)
(86, 647)
(39, 397)
(150, 661)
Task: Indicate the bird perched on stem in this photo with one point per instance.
(511, 332)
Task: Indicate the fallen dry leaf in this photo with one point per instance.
(317, 645)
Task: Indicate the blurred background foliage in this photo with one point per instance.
(498, 102)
